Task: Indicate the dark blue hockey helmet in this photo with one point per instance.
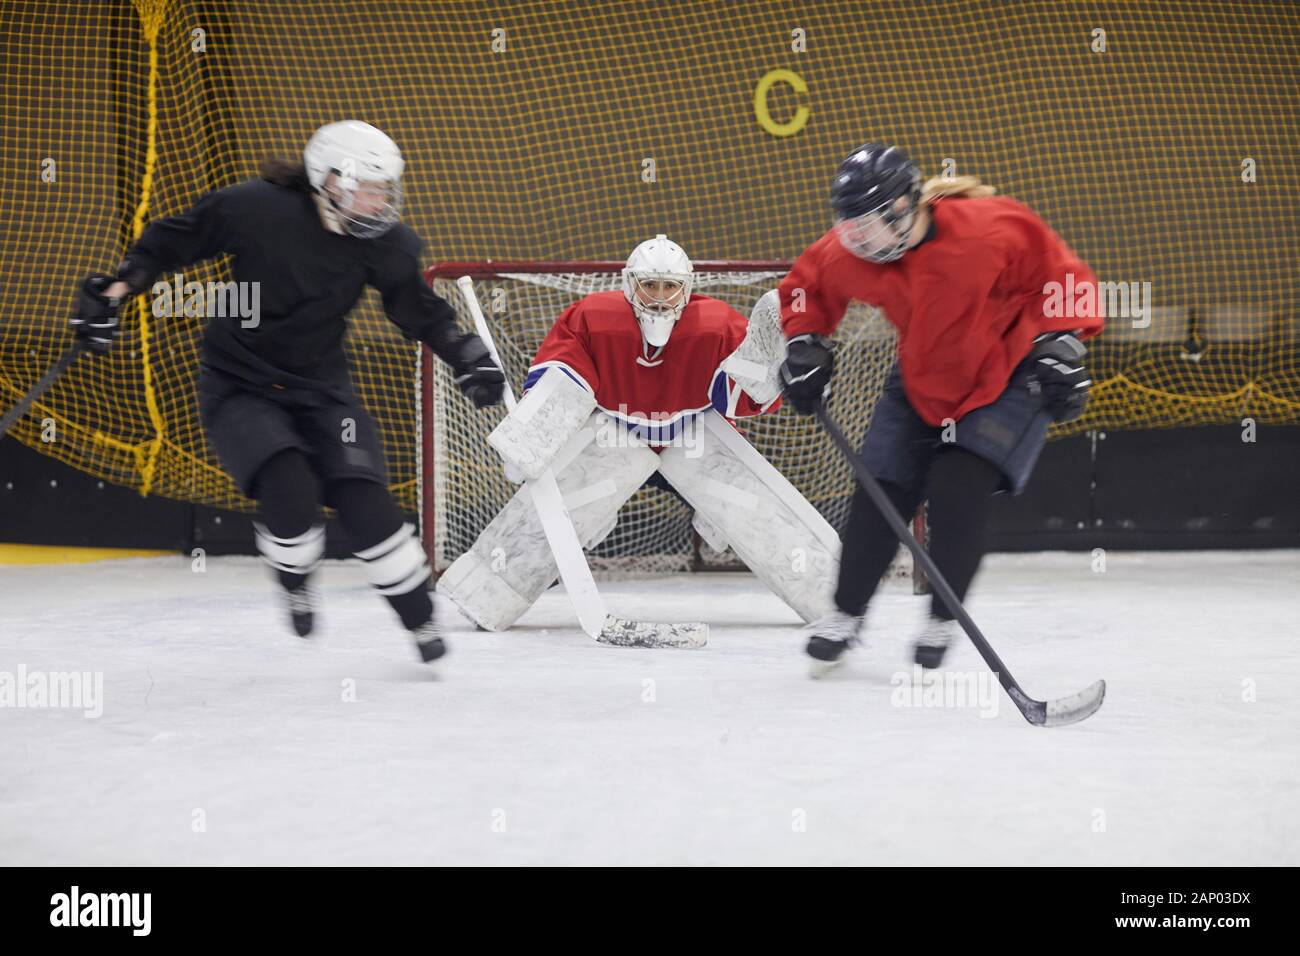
(870, 219)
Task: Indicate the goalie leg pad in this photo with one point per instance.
(782, 538)
(711, 536)
(553, 411)
(294, 555)
(510, 564)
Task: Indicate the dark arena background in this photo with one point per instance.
(1157, 545)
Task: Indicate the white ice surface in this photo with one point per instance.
(540, 746)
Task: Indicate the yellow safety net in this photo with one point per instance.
(1160, 139)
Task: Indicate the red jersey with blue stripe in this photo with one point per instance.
(597, 342)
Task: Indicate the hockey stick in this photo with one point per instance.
(37, 390)
(567, 549)
(1051, 713)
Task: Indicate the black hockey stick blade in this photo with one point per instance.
(1040, 713)
(37, 390)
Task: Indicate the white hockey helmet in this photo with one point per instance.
(657, 283)
(365, 198)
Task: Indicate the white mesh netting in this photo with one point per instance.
(461, 479)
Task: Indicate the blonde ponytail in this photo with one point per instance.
(957, 187)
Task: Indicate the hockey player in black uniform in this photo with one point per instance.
(274, 391)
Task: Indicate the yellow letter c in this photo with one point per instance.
(765, 120)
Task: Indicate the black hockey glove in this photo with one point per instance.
(1057, 372)
(96, 321)
(806, 372)
(476, 374)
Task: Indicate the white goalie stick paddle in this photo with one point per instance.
(1040, 713)
(567, 549)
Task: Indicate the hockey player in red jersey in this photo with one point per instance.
(990, 307)
(630, 385)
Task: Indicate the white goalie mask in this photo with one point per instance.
(657, 283)
(364, 198)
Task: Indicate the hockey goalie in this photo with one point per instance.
(632, 383)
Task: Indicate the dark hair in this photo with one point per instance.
(285, 172)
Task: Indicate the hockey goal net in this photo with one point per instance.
(461, 482)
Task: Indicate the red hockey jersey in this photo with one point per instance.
(597, 342)
(967, 303)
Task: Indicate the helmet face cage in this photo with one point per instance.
(366, 210)
(652, 301)
(881, 234)
(658, 313)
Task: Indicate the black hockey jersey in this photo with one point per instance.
(310, 278)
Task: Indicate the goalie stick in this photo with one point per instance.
(1050, 713)
(37, 390)
(567, 549)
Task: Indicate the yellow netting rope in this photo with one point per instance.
(1158, 139)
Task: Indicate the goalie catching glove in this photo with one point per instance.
(478, 376)
(806, 372)
(1057, 372)
(96, 322)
